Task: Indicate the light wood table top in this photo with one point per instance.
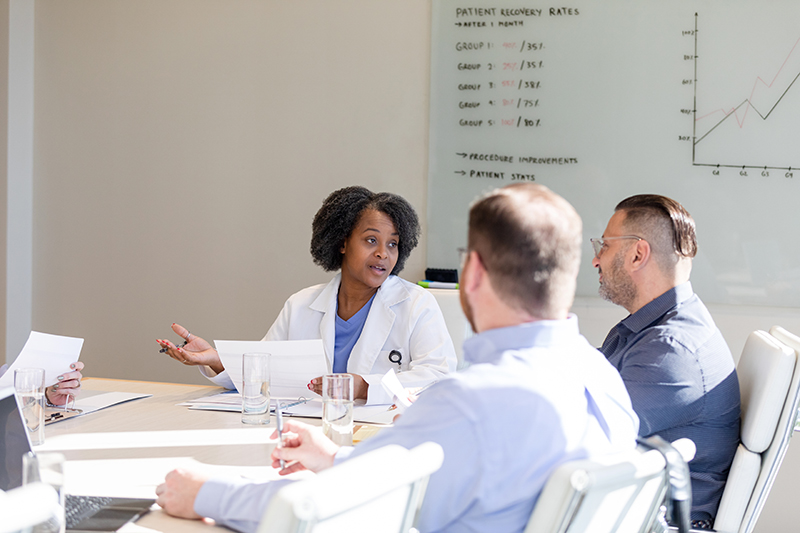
(160, 412)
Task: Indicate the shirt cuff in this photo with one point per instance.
(208, 501)
(343, 454)
(236, 503)
(222, 379)
(207, 371)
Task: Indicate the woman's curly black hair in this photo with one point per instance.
(341, 211)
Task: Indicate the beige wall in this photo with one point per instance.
(183, 146)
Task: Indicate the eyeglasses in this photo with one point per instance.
(599, 244)
(462, 255)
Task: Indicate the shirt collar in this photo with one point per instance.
(658, 307)
(484, 346)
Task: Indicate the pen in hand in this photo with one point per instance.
(279, 423)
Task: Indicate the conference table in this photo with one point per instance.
(155, 429)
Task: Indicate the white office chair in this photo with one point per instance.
(380, 491)
(769, 383)
(457, 325)
(620, 493)
(27, 506)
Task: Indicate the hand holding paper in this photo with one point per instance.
(54, 353)
(68, 386)
(395, 388)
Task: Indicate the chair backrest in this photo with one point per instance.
(769, 383)
(615, 493)
(380, 491)
(457, 325)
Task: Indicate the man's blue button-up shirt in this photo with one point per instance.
(682, 382)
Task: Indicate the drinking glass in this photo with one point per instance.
(29, 388)
(255, 388)
(47, 468)
(337, 408)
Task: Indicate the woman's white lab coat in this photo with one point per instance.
(403, 317)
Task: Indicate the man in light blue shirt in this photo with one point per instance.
(536, 393)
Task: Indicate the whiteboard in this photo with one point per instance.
(695, 100)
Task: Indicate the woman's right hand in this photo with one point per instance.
(196, 351)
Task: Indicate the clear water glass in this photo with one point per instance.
(337, 408)
(47, 468)
(255, 388)
(29, 388)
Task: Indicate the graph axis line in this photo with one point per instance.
(694, 104)
(742, 167)
(764, 117)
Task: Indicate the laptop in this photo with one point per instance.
(84, 514)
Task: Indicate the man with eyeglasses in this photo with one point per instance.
(675, 364)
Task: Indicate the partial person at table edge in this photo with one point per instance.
(369, 319)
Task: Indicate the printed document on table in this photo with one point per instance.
(292, 364)
(365, 414)
(89, 402)
(54, 353)
(231, 401)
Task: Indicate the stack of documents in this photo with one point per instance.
(305, 407)
(293, 364)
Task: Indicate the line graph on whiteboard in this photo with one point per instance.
(746, 108)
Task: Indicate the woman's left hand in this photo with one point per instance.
(360, 387)
(69, 384)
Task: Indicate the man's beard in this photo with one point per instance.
(617, 286)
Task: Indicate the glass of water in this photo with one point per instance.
(29, 388)
(255, 388)
(47, 468)
(337, 408)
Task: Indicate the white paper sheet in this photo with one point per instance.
(224, 401)
(96, 402)
(365, 414)
(292, 364)
(231, 401)
(393, 386)
(54, 353)
(89, 402)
